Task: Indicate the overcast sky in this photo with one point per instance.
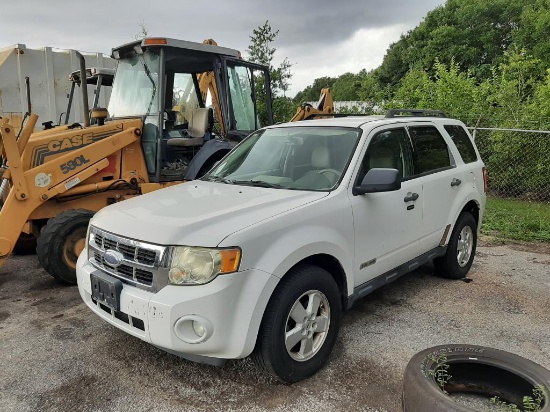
(319, 37)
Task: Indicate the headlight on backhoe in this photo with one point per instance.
(197, 266)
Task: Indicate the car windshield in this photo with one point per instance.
(300, 158)
(135, 88)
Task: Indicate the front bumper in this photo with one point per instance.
(230, 307)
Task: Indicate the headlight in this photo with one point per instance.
(196, 265)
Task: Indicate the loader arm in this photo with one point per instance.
(324, 106)
(31, 188)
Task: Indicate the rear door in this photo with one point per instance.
(440, 178)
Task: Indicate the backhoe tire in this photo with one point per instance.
(61, 241)
(25, 245)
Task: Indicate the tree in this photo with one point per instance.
(311, 93)
(347, 86)
(261, 51)
(475, 34)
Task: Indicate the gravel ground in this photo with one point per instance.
(56, 355)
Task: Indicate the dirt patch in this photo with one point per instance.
(531, 247)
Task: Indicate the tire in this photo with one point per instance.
(474, 369)
(25, 245)
(461, 249)
(316, 334)
(61, 241)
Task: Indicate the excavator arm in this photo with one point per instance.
(324, 106)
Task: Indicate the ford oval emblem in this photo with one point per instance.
(113, 257)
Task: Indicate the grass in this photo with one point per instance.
(517, 219)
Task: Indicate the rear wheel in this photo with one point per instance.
(61, 241)
(25, 245)
(461, 249)
(300, 324)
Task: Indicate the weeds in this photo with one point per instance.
(530, 403)
(441, 372)
(517, 219)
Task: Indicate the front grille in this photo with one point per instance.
(140, 255)
(143, 264)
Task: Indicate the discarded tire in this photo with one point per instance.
(472, 369)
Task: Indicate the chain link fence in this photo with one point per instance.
(517, 160)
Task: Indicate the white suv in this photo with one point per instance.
(264, 253)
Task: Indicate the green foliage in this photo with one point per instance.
(530, 403)
(540, 105)
(347, 86)
(311, 93)
(472, 33)
(441, 372)
(533, 31)
(517, 219)
(261, 51)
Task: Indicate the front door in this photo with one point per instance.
(387, 224)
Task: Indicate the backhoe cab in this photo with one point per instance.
(176, 108)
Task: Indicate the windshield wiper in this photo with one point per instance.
(257, 183)
(218, 179)
(148, 73)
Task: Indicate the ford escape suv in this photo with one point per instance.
(263, 254)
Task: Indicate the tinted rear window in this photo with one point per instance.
(462, 142)
(431, 149)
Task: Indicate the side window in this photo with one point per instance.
(432, 152)
(389, 149)
(462, 142)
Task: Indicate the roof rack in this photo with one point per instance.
(312, 116)
(415, 113)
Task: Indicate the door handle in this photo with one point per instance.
(455, 182)
(411, 197)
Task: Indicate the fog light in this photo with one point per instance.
(193, 329)
(199, 329)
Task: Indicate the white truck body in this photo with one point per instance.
(48, 70)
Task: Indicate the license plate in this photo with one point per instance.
(106, 289)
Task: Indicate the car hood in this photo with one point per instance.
(197, 213)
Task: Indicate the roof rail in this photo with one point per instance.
(312, 116)
(415, 113)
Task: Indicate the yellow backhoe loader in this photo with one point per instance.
(176, 108)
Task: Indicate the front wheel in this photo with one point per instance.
(461, 249)
(61, 241)
(300, 325)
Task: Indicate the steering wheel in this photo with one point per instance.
(328, 172)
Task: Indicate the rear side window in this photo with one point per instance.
(431, 149)
(462, 142)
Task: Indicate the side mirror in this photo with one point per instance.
(379, 180)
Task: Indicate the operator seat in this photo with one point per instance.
(200, 123)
